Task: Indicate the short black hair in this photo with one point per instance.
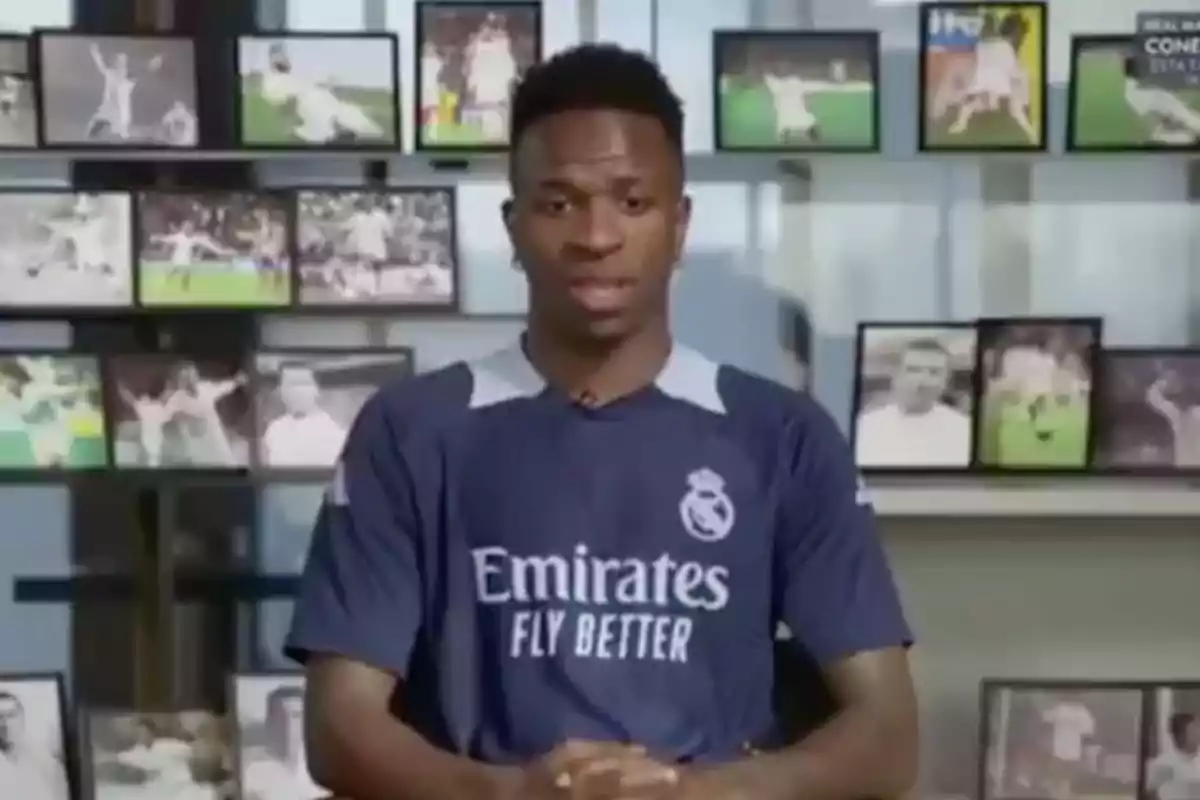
(596, 76)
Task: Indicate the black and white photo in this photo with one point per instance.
(179, 412)
(1148, 410)
(117, 90)
(319, 90)
(1035, 410)
(18, 106)
(394, 248)
(213, 249)
(1173, 765)
(270, 723)
(180, 755)
(62, 249)
(306, 402)
(33, 764)
(1063, 741)
(914, 396)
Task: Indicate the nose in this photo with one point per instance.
(597, 231)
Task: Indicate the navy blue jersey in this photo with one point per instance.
(537, 570)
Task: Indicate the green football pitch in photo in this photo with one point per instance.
(19, 450)
(1056, 439)
(1102, 117)
(211, 284)
(458, 134)
(267, 124)
(845, 117)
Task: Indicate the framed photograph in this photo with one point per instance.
(269, 709)
(33, 737)
(179, 412)
(1173, 743)
(469, 57)
(914, 396)
(983, 77)
(116, 90)
(51, 412)
(213, 250)
(306, 400)
(796, 91)
(390, 249)
(1148, 411)
(319, 90)
(171, 755)
(1111, 110)
(65, 252)
(18, 101)
(1071, 740)
(1036, 398)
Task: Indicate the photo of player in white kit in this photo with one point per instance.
(51, 412)
(270, 721)
(18, 109)
(390, 248)
(1173, 765)
(319, 90)
(177, 413)
(471, 56)
(1148, 407)
(33, 763)
(181, 755)
(306, 401)
(117, 90)
(61, 249)
(213, 250)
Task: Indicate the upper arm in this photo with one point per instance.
(360, 595)
(834, 588)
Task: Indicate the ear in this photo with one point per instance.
(506, 213)
(683, 221)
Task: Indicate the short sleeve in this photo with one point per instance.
(360, 593)
(835, 590)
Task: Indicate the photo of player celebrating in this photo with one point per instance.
(214, 250)
(470, 55)
(1036, 393)
(810, 91)
(319, 90)
(108, 91)
(1148, 411)
(51, 412)
(390, 248)
(983, 76)
(62, 249)
(18, 108)
(179, 413)
(1115, 109)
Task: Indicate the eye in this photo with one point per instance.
(554, 205)
(635, 205)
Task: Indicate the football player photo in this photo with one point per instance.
(18, 101)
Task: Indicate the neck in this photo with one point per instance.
(607, 370)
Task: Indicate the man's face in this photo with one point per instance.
(12, 718)
(598, 221)
(298, 391)
(921, 379)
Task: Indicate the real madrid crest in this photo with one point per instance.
(706, 511)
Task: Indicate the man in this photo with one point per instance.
(185, 242)
(266, 242)
(1072, 727)
(1182, 417)
(25, 772)
(324, 117)
(491, 70)
(194, 402)
(153, 413)
(915, 427)
(284, 774)
(998, 78)
(558, 560)
(114, 115)
(793, 120)
(367, 232)
(180, 128)
(1171, 120)
(432, 89)
(1174, 774)
(304, 435)
(12, 88)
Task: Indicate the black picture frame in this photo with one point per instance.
(67, 734)
(991, 690)
(393, 146)
(59, 310)
(865, 39)
(31, 78)
(1076, 89)
(285, 677)
(65, 474)
(934, 329)
(280, 200)
(1041, 127)
(201, 474)
(405, 358)
(1106, 424)
(420, 25)
(989, 329)
(37, 40)
(453, 303)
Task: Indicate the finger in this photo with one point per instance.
(574, 754)
(649, 774)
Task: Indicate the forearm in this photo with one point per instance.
(857, 754)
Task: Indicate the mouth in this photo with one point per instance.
(601, 295)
